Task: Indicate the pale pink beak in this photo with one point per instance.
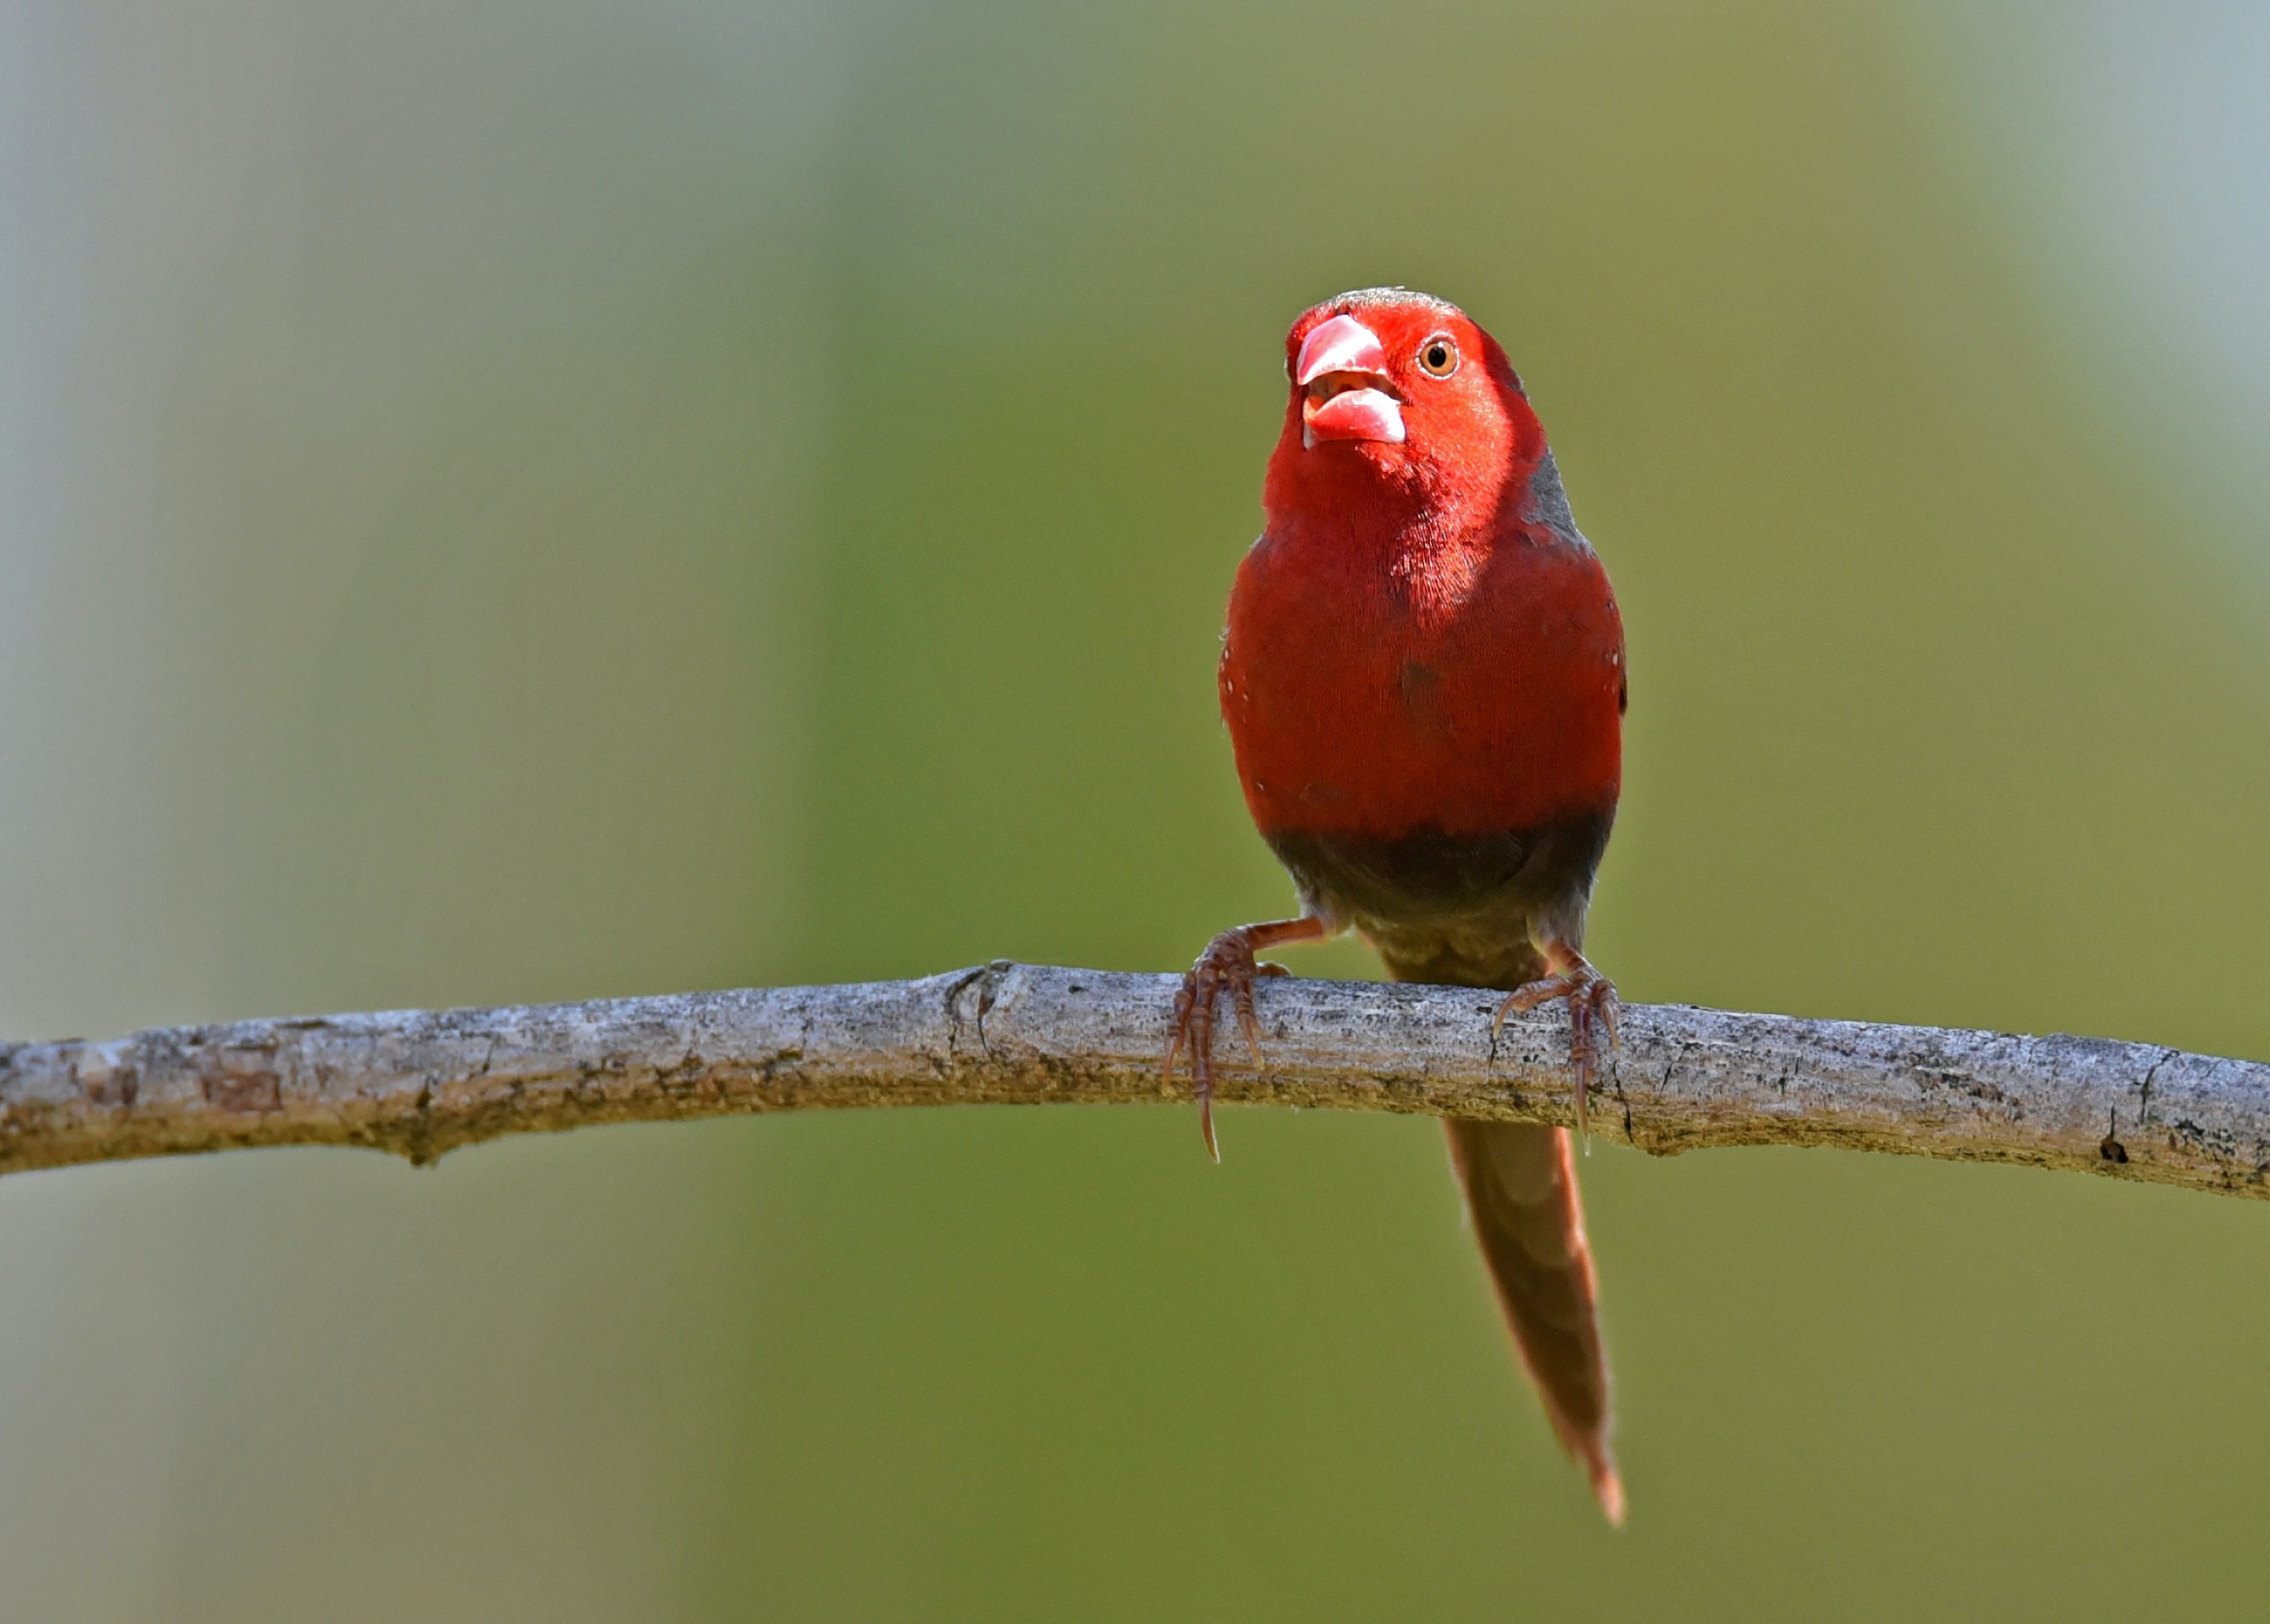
(1349, 396)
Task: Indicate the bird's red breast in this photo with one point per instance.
(1420, 641)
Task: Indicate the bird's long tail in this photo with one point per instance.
(1520, 1183)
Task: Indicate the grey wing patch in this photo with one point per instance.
(1546, 504)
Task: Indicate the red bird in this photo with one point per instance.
(1424, 682)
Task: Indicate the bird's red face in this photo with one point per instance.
(1399, 398)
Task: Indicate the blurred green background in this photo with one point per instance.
(515, 501)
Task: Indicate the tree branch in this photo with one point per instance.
(420, 1082)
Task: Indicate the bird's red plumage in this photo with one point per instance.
(1409, 647)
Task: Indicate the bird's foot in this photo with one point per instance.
(1592, 1000)
(1228, 964)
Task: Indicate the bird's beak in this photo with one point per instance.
(1348, 394)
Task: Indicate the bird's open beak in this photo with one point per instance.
(1348, 395)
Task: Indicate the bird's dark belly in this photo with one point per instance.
(1428, 876)
(1449, 907)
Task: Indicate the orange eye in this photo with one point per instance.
(1438, 357)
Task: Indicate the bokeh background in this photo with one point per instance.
(504, 502)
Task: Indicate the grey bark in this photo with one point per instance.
(421, 1083)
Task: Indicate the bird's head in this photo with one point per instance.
(1398, 398)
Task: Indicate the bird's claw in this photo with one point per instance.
(1592, 1014)
(1226, 963)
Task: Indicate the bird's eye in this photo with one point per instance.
(1438, 357)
